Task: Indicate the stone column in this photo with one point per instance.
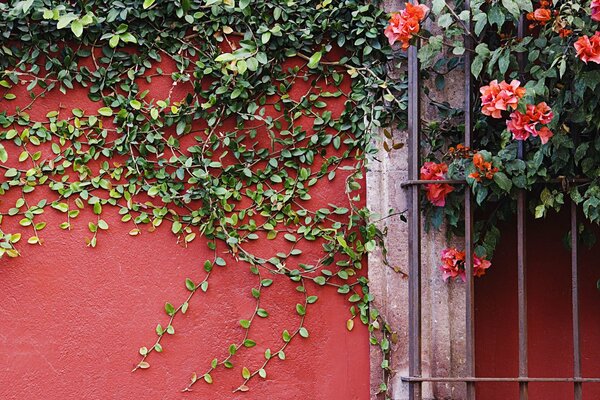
(443, 305)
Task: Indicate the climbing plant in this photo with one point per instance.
(536, 114)
(229, 156)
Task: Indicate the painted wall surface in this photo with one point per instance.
(549, 308)
(73, 318)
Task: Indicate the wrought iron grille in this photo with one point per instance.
(523, 379)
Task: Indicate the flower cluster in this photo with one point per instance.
(523, 125)
(497, 97)
(460, 151)
(595, 6)
(436, 192)
(405, 24)
(588, 48)
(541, 15)
(453, 264)
(483, 169)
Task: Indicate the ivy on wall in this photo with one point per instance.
(232, 162)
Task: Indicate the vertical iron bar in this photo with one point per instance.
(470, 287)
(414, 240)
(521, 256)
(578, 388)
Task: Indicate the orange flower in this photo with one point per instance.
(521, 126)
(453, 264)
(540, 113)
(436, 192)
(540, 15)
(595, 6)
(497, 97)
(480, 265)
(588, 48)
(545, 134)
(483, 169)
(405, 24)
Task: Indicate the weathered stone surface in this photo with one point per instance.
(443, 305)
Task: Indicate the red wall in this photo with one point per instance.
(73, 318)
(549, 307)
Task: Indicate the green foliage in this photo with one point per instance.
(232, 161)
(546, 63)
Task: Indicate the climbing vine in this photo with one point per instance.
(536, 122)
(229, 155)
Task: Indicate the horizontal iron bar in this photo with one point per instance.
(493, 379)
(413, 182)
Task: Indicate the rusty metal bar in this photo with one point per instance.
(578, 387)
(470, 285)
(562, 180)
(498, 379)
(414, 225)
(521, 258)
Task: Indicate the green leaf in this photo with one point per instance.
(105, 111)
(3, 154)
(190, 285)
(169, 309)
(313, 62)
(148, 3)
(77, 27)
(502, 181)
(245, 373)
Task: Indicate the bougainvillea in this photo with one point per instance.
(537, 114)
(436, 192)
(453, 264)
(404, 25)
(588, 48)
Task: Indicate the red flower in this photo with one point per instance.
(521, 126)
(483, 169)
(498, 97)
(545, 134)
(595, 6)
(524, 125)
(540, 15)
(588, 48)
(480, 265)
(540, 113)
(453, 264)
(436, 192)
(405, 24)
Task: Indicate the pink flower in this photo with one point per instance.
(588, 48)
(436, 192)
(521, 126)
(453, 264)
(595, 6)
(480, 265)
(405, 24)
(540, 113)
(497, 97)
(545, 134)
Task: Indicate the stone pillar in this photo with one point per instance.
(443, 304)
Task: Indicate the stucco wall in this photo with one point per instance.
(73, 318)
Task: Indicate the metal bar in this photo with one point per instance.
(498, 379)
(521, 258)
(578, 388)
(414, 225)
(562, 181)
(470, 285)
